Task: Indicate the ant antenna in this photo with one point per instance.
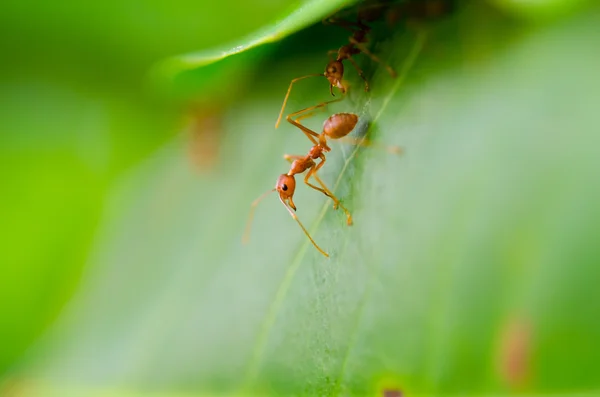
(302, 226)
(288, 94)
(251, 215)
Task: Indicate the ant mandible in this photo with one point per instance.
(334, 71)
(337, 126)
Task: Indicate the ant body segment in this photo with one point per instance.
(334, 71)
(337, 126)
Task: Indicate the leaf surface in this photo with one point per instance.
(472, 265)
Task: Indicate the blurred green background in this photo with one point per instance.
(76, 112)
(127, 173)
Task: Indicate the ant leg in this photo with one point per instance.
(323, 189)
(374, 57)
(310, 134)
(320, 107)
(369, 143)
(302, 226)
(308, 109)
(251, 214)
(336, 202)
(360, 73)
(287, 95)
(292, 157)
(307, 177)
(307, 115)
(331, 52)
(328, 192)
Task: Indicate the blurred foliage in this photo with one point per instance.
(543, 10)
(472, 264)
(76, 112)
(219, 73)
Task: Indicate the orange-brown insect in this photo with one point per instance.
(337, 127)
(334, 71)
(418, 11)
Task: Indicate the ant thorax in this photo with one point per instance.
(345, 52)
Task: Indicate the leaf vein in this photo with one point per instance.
(412, 57)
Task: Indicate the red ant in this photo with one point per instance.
(334, 71)
(337, 126)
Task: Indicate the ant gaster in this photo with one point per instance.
(334, 71)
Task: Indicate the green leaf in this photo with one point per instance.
(542, 10)
(214, 72)
(471, 268)
(312, 11)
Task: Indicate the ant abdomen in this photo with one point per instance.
(339, 125)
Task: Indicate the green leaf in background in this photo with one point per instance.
(216, 72)
(472, 266)
(75, 113)
(542, 10)
(302, 17)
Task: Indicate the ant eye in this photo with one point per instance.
(332, 69)
(284, 187)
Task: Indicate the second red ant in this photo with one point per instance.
(334, 71)
(410, 10)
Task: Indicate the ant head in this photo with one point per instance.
(285, 186)
(334, 72)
